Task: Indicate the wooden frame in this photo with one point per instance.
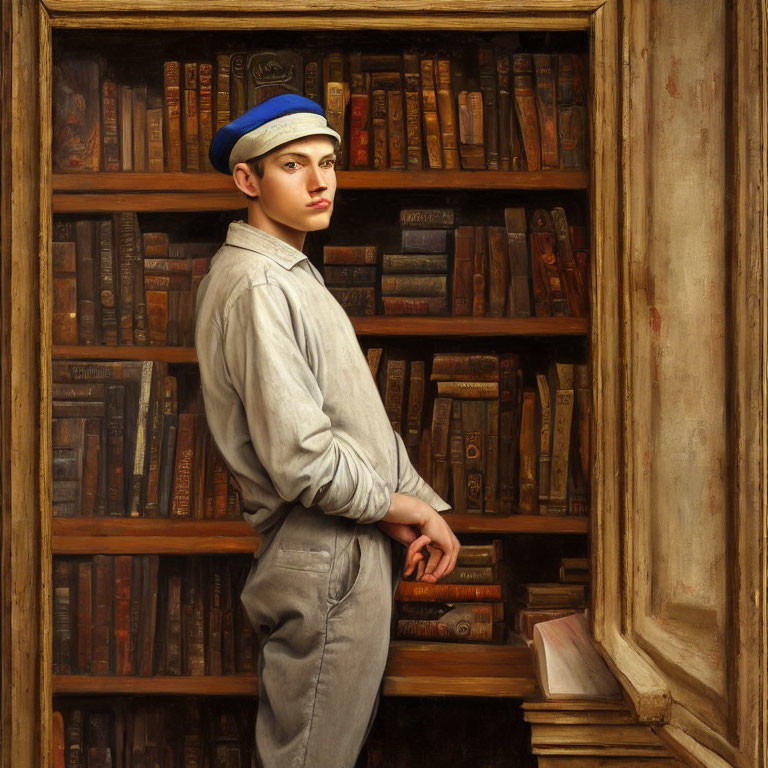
(618, 191)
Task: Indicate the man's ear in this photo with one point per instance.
(246, 180)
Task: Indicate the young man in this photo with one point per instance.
(295, 412)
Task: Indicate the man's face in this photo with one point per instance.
(299, 184)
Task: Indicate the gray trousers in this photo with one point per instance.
(320, 598)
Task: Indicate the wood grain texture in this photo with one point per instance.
(24, 702)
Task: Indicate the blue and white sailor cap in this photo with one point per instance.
(276, 121)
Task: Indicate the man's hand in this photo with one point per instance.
(442, 544)
(409, 537)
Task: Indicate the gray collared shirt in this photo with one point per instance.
(289, 397)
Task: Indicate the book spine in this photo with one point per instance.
(462, 366)
(172, 114)
(110, 136)
(181, 498)
(574, 289)
(155, 146)
(505, 112)
(473, 418)
(480, 274)
(456, 459)
(357, 301)
(222, 90)
(140, 454)
(205, 106)
(410, 263)
(546, 106)
(508, 433)
(561, 444)
(84, 616)
(468, 390)
(379, 123)
(238, 85)
(350, 254)
(491, 505)
(415, 305)
(395, 130)
(414, 591)
(414, 412)
(414, 160)
(463, 264)
(122, 614)
(394, 393)
(349, 275)
(429, 114)
(519, 296)
(498, 275)
(139, 115)
(545, 437)
(65, 294)
(414, 285)
(425, 218)
(63, 604)
(528, 503)
(525, 109)
(126, 254)
(116, 449)
(488, 87)
(359, 131)
(145, 641)
(102, 636)
(90, 477)
(424, 240)
(548, 283)
(190, 123)
(441, 421)
(447, 114)
(126, 128)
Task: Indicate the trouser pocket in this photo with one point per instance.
(345, 570)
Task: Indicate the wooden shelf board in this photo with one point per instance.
(109, 536)
(413, 669)
(218, 183)
(102, 352)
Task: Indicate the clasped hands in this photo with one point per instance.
(421, 529)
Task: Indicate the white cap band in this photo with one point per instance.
(279, 131)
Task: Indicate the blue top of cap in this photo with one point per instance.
(227, 136)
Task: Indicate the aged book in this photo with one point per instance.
(415, 305)
(342, 274)
(223, 115)
(191, 119)
(456, 459)
(139, 116)
(447, 593)
(470, 119)
(480, 554)
(574, 570)
(519, 293)
(379, 129)
(414, 410)
(568, 665)
(155, 142)
(543, 595)
(65, 294)
(525, 109)
(548, 286)
(414, 263)
(546, 106)
(238, 84)
(125, 123)
(465, 366)
(424, 240)
(394, 392)
(172, 115)
(578, 503)
(446, 109)
(412, 83)
(498, 272)
(359, 114)
(545, 436)
(468, 390)
(528, 618)
(426, 218)
(528, 502)
(414, 285)
(463, 266)
(575, 290)
(473, 417)
(441, 421)
(462, 622)
(429, 113)
(76, 124)
(480, 276)
(510, 404)
(571, 112)
(205, 114)
(270, 73)
(356, 300)
(350, 254)
(487, 76)
(505, 111)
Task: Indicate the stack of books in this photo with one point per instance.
(415, 281)
(467, 606)
(113, 284)
(143, 615)
(142, 732)
(544, 602)
(122, 449)
(350, 274)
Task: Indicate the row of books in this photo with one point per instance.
(468, 607)
(490, 109)
(537, 266)
(493, 445)
(113, 284)
(140, 732)
(141, 615)
(122, 449)
(545, 602)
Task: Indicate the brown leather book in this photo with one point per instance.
(429, 114)
(580, 246)
(76, 125)
(228, 600)
(574, 570)
(528, 618)
(414, 285)
(336, 99)
(414, 410)
(155, 145)
(546, 106)
(491, 501)
(168, 282)
(480, 274)
(64, 296)
(562, 421)
(102, 630)
(374, 360)
(199, 467)
(191, 118)
(486, 59)
(456, 460)
(110, 137)
(461, 622)
(379, 129)
(140, 330)
(575, 291)
(108, 283)
(498, 271)
(441, 423)
(423, 592)
(396, 142)
(99, 750)
(471, 136)
(193, 619)
(468, 390)
(581, 448)
(548, 286)
(505, 111)
(63, 609)
(126, 127)
(465, 366)
(350, 254)
(545, 410)
(84, 616)
(463, 266)
(157, 317)
(213, 660)
(125, 253)
(172, 114)
(519, 293)
(220, 485)
(342, 274)
(168, 445)
(205, 110)
(357, 301)
(414, 263)
(238, 84)
(427, 218)
(529, 496)
(424, 240)
(181, 499)
(475, 453)
(480, 554)
(145, 641)
(115, 456)
(394, 392)
(415, 305)
(571, 113)
(525, 109)
(140, 456)
(58, 743)
(313, 74)
(222, 90)
(139, 116)
(173, 654)
(93, 499)
(359, 115)
(412, 78)
(543, 595)
(509, 431)
(122, 614)
(271, 73)
(446, 109)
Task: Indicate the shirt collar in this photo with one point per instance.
(242, 235)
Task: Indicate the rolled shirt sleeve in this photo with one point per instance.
(412, 484)
(306, 459)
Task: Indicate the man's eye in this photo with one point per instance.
(291, 165)
(328, 163)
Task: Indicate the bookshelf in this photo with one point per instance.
(415, 669)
